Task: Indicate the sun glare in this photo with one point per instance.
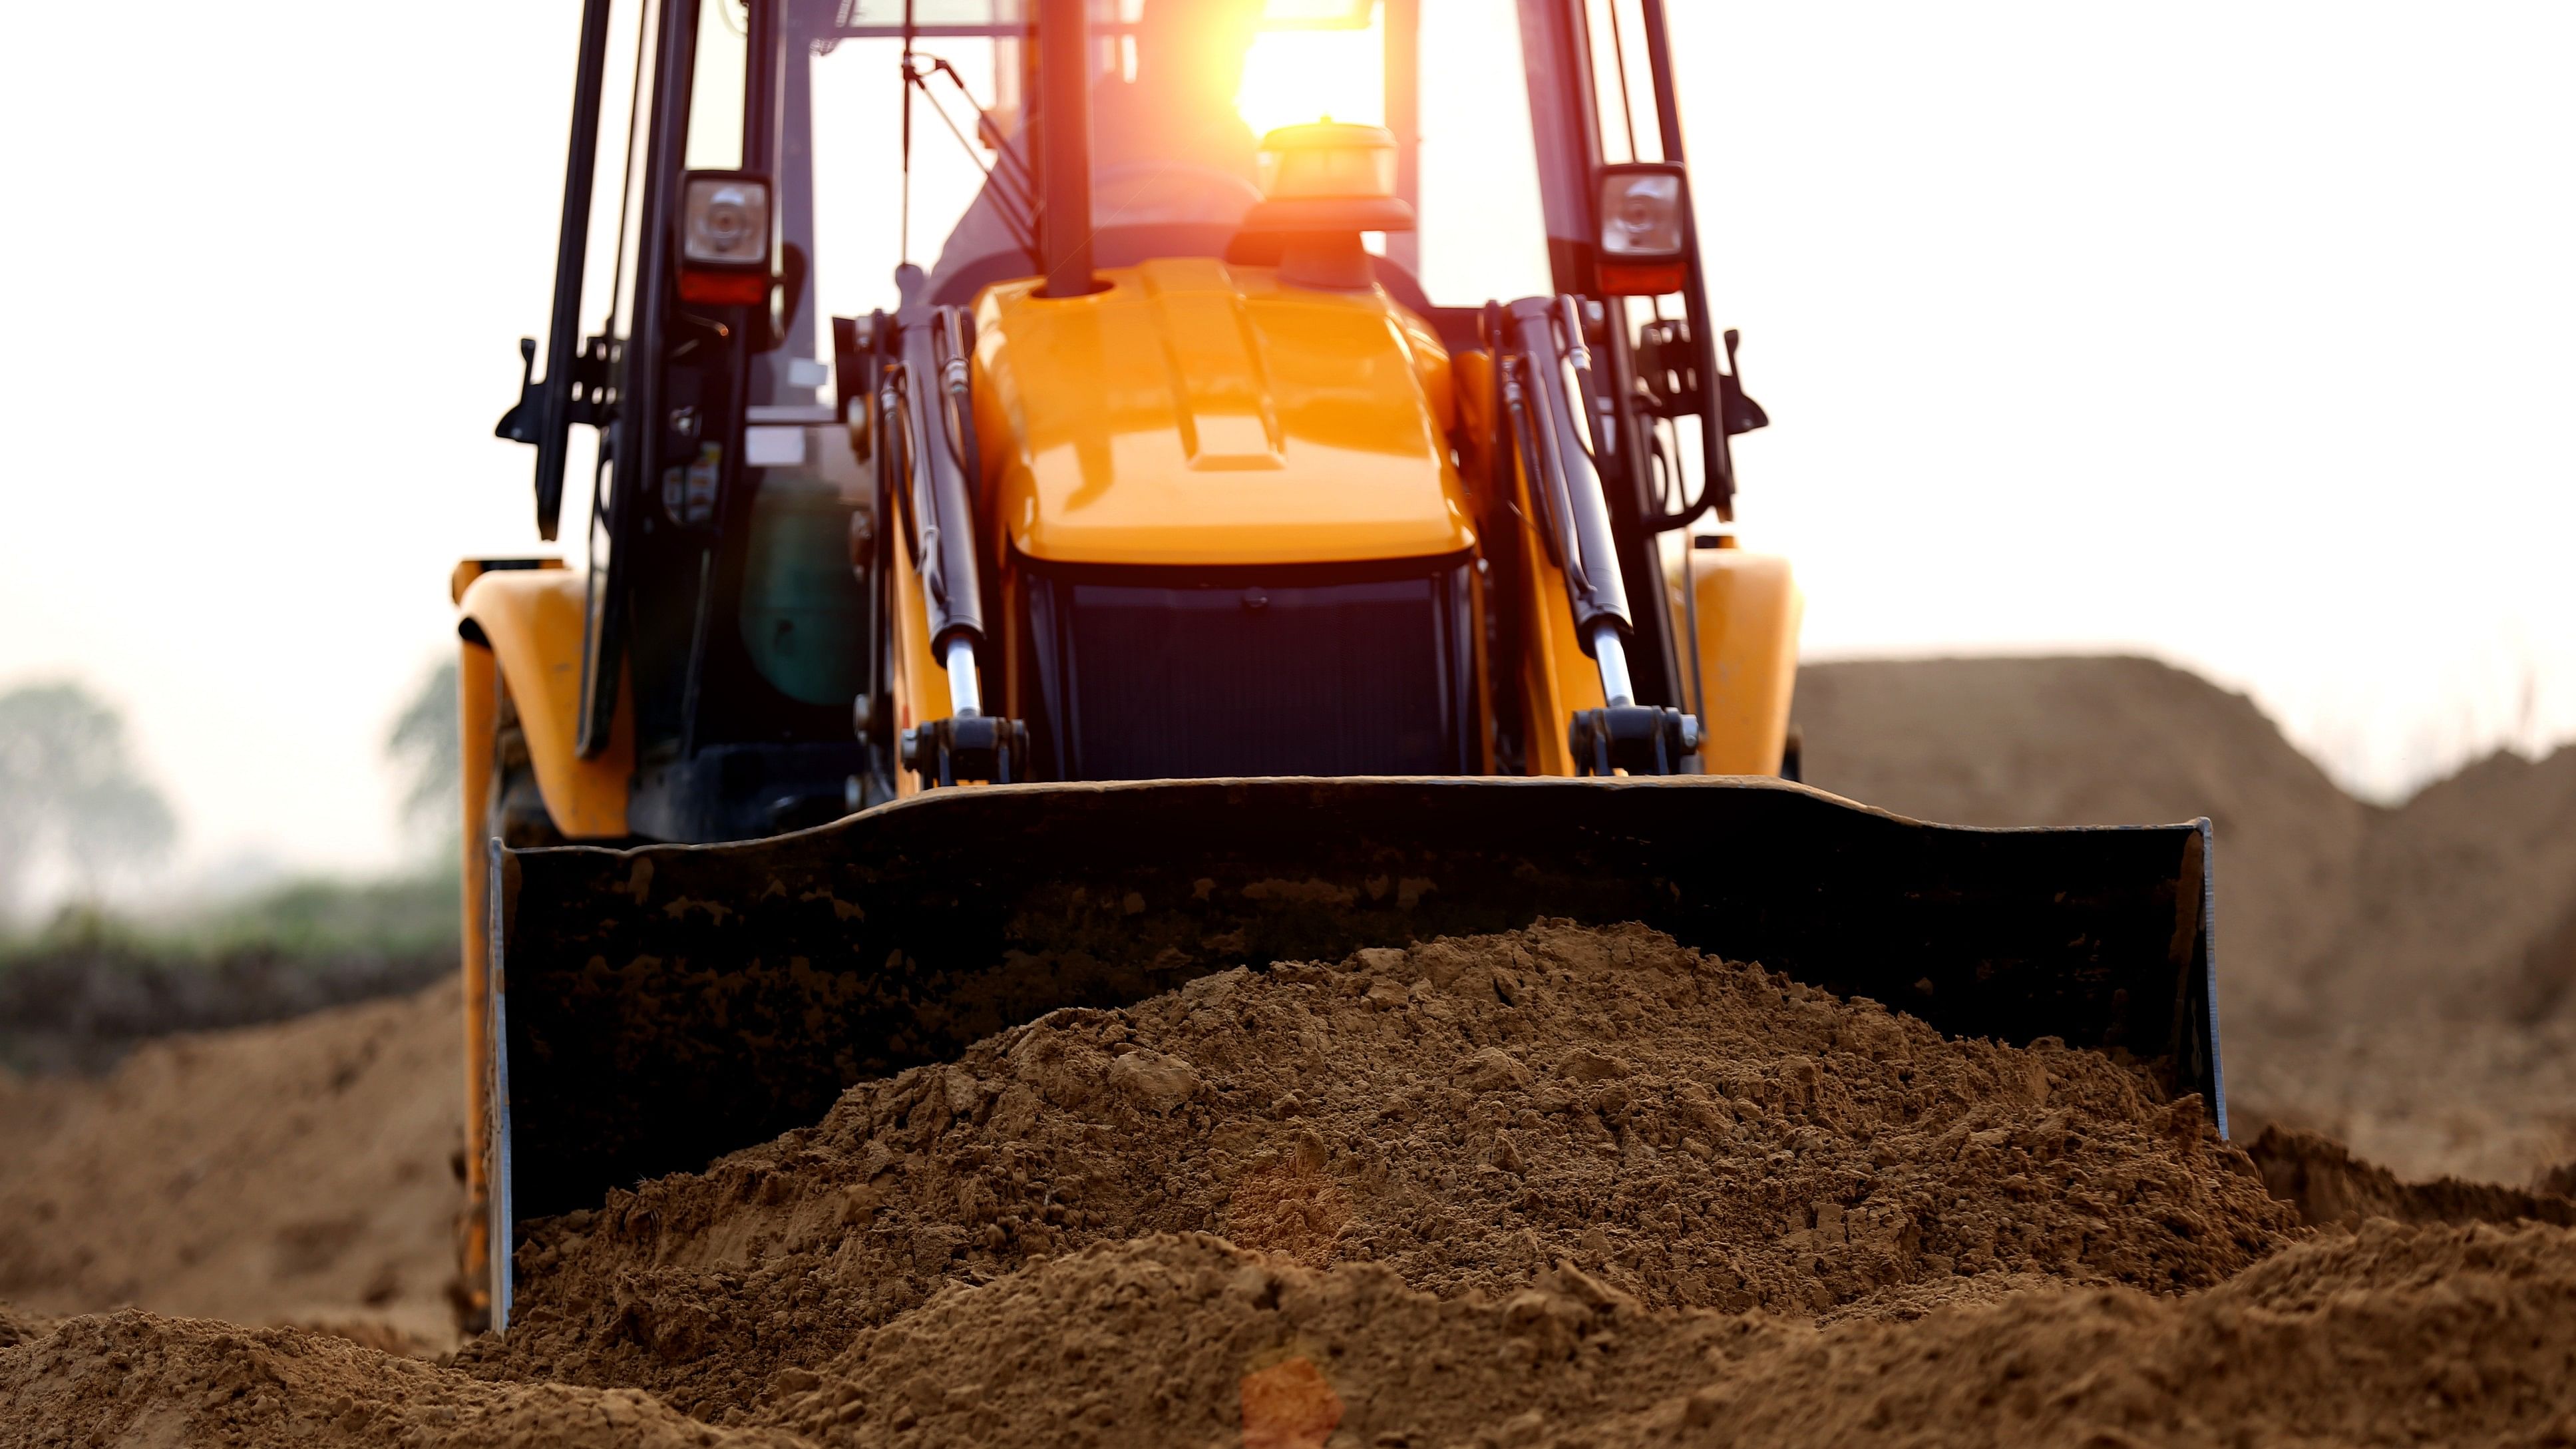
(1294, 76)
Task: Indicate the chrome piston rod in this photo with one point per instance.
(965, 695)
(1617, 689)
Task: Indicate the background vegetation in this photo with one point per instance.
(105, 963)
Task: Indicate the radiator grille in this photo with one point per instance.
(1151, 676)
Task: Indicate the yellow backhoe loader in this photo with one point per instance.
(1291, 511)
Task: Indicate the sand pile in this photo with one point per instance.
(1466, 1113)
(295, 1173)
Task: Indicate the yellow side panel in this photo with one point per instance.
(1196, 413)
(1749, 608)
(532, 620)
(1470, 388)
(1565, 680)
(1431, 367)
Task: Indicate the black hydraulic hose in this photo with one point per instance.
(1594, 584)
(942, 508)
(1537, 402)
(1601, 438)
(1553, 526)
(957, 382)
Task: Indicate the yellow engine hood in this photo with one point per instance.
(1196, 413)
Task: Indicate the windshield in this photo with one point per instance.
(1181, 92)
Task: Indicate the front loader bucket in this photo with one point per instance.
(656, 1008)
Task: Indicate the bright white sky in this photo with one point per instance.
(2233, 332)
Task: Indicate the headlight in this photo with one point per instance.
(1645, 229)
(724, 239)
(725, 221)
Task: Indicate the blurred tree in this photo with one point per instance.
(69, 792)
(423, 746)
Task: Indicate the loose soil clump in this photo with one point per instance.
(1467, 1114)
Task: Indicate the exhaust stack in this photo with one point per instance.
(1064, 145)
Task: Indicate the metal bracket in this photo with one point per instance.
(968, 747)
(592, 399)
(1640, 739)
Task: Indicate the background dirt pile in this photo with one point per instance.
(139, 1378)
(2465, 898)
(294, 1173)
(2403, 980)
(2327, 1184)
(2107, 741)
(1466, 1113)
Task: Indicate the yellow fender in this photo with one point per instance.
(530, 619)
(520, 634)
(1748, 607)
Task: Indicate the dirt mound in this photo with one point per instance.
(1465, 1112)
(17, 1326)
(2328, 1184)
(2396, 1334)
(2429, 1097)
(2465, 898)
(1188, 1341)
(295, 1173)
(139, 1378)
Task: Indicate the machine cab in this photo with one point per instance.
(1112, 389)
